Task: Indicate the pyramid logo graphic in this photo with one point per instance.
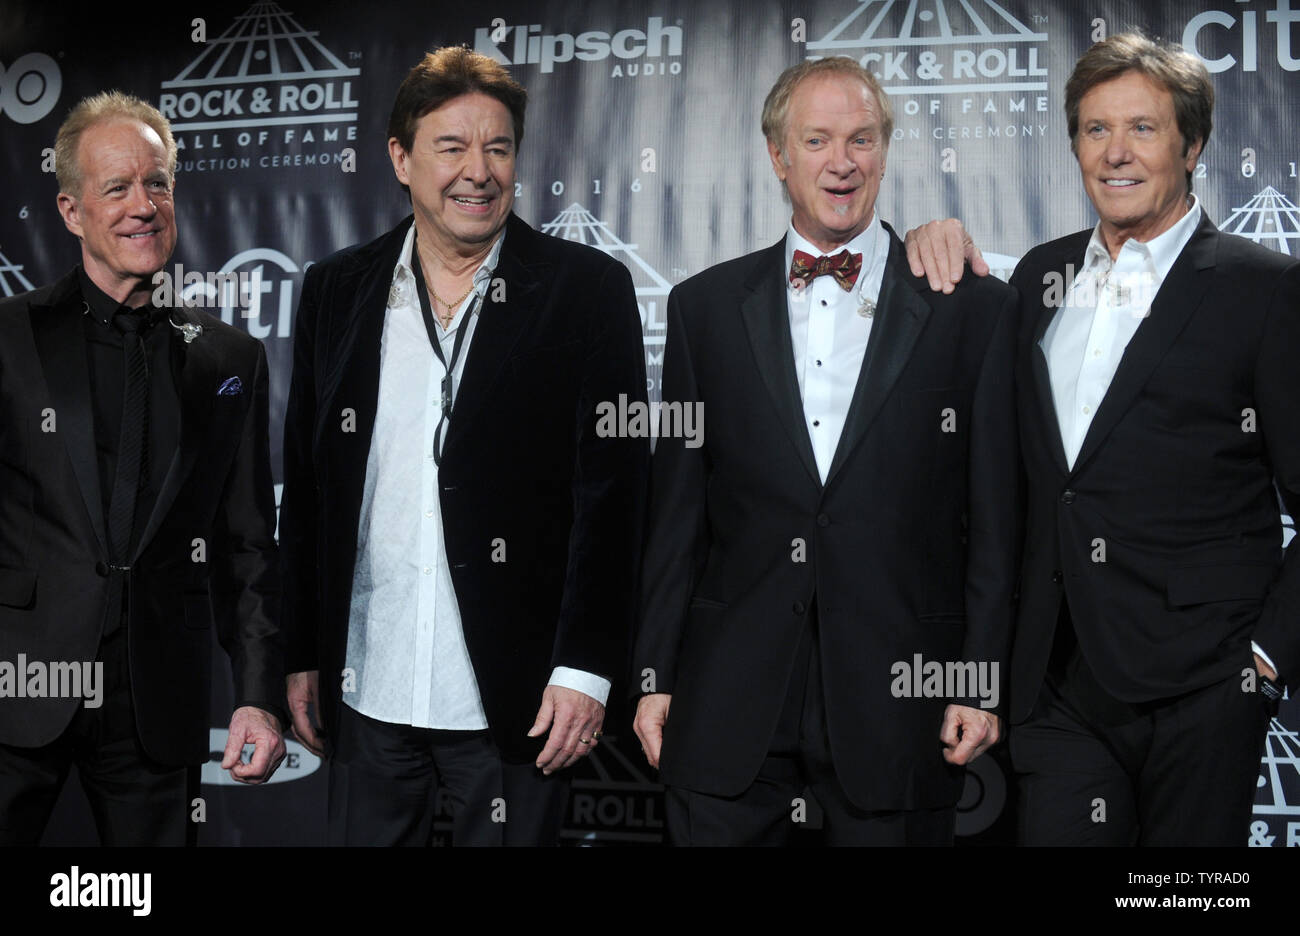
(576, 223)
(265, 70)
(1269, 219)
(949, 47)
(10, 275)
(1279, 771)
(940, 22)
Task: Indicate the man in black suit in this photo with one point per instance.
(461, 534)
(136, 511)
(847, 524)
(1158, 420)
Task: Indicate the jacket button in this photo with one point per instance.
(798, 607)
(101, 569)
(1057, 577)
(1067, 496)
(823, 520)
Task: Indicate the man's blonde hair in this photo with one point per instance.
(98, 108)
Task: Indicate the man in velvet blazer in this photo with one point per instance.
(461, 527)
(523, 464)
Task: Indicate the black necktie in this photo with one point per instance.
(130, 457)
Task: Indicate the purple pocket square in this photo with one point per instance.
(231, 386)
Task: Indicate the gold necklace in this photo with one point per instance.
(451, 306)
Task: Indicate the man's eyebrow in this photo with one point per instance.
(502, 139)
(449, 138)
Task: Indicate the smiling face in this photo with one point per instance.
(1131, 155)
(834, 158)
(123, 214)
(461, 172)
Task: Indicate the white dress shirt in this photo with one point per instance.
(1103, 308)
(406, 648)
(830, 336)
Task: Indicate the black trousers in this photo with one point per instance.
(799, 761)
(385, 781)
(1094, 770)
(135, 801)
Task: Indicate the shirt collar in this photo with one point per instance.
(868, 243)
(864, 243)
(1161, 251)
(403, 273)
(103, 307)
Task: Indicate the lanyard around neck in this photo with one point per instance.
(426, 312)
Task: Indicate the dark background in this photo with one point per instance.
(651, 152)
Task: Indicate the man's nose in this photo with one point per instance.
(1118, 150)
(840, 160)
(142, 203)
(476, 166)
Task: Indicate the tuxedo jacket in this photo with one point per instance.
(908, 548)
(522, 462)
(1164, 538)
(207, 555)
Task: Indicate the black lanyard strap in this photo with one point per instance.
(426, 312)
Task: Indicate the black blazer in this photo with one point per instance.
(522, 462)
(910, 544)
(53, 544)
(1175, 478)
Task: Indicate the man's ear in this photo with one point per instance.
(70, 211)
(1193, 153)
(398, 156)
(778, 160)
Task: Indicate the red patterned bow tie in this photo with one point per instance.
(844, 266)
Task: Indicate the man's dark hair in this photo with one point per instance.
(445, 74)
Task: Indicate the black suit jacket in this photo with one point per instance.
(1175, 479)
(521, 461)
(909, 544)
(53, 543)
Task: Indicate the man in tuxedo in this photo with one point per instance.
(1158, 420)
(847, 522)
(136, 511)
(461, 536)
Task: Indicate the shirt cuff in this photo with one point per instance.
(1264, 656)
(589, 683)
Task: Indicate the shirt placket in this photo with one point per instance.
(430, 547)
(1093, 374)
(821, 342)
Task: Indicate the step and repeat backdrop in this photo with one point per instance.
(643, 140)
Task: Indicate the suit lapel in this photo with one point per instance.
(1042, 380)
(1180, 295)
(900, 318)
(767, 322)
(499, 325)
(352, 382)
(61, 345)
(196, 378)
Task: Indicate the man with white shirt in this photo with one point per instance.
(1158, 414)
(848, 517)
(461, 541)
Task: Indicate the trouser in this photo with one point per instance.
(134, 800)
(1094, 770)
(385, 779)
(769, 811)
